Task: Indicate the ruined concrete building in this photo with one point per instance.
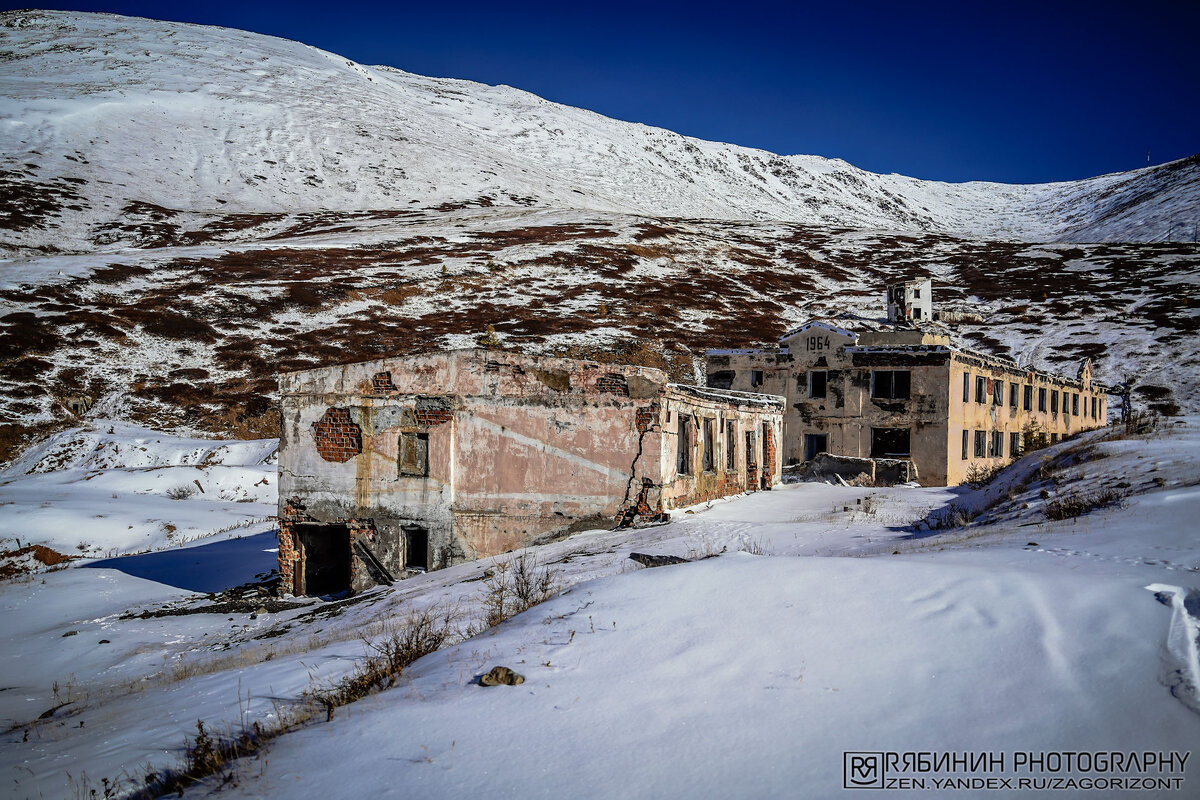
(905, 392)
(396, 466)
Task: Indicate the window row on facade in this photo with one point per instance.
(993, 392)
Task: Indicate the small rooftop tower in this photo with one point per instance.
(910, 301)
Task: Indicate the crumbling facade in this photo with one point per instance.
(905, 393)
(396, 466)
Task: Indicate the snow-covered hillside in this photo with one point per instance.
(102, 113)
(744, 674)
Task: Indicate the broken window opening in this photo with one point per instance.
(1054, 402)
(756, 377)
(980, 389)
(1012, 395)
(1014, 445)
(730, 446)
(1042, 400)
(414, 454)
(890, 443)
(891, 384)
(325, 551)
(683, 460)
(1093, 408)
(966, 387)
(817, 382)
(1029, 398)
(709, 445)
(997, 393)
(815, 443)
(416, 548)
(965, 443)
(980, 444)
(997, 444)
(1075, 405)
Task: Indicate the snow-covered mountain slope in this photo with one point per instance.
(190, 337)
(101, 113)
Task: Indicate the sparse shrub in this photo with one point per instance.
(1075, 504)
(515, 586)
(980, 474)
(952, 516)
(181, 492)
(202, 756)
(489, 339)
(387, 657)
(1033, 437)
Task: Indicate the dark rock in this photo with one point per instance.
(501, 676)
(647, 560)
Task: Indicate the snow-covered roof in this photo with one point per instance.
(817, 323)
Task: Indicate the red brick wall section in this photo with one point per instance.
(729, 484)
(382, 383)
(433, 416)
(288, 553)
(613, 383)
(769, 457)
(647, 417)
(337, 438)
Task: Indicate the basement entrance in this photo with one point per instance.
(325, 554)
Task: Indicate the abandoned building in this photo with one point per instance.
(400, 465)
(904, 392)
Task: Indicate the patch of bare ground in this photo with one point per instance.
(223, 327)
(25, 560)
(28, 203)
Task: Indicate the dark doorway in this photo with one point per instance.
(815, 443)
(326, 550)
(416, 548)
(889, 443)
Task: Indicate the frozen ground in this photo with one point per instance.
(738, 675)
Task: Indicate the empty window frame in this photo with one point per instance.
(1029, 397)
(414, 455)
(966, 443)
(1053, 402)
(1014, 445)
(980, 389)
(917, 312)
(707, 460)
(815, 443)
(756, 377)
(683, 444)
(997, 444)
(966, 387)
(817, 382)
(981, 444)
(887, 384)
(1041, 400)
(730, 446)
(890, 443)
(997, 393)
(1054, 438)
(1075, 405)
(1093, 408)
(1013, 388)
(416, 548)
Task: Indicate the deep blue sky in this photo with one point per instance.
(1002, 90)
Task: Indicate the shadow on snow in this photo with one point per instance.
(204, 568)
